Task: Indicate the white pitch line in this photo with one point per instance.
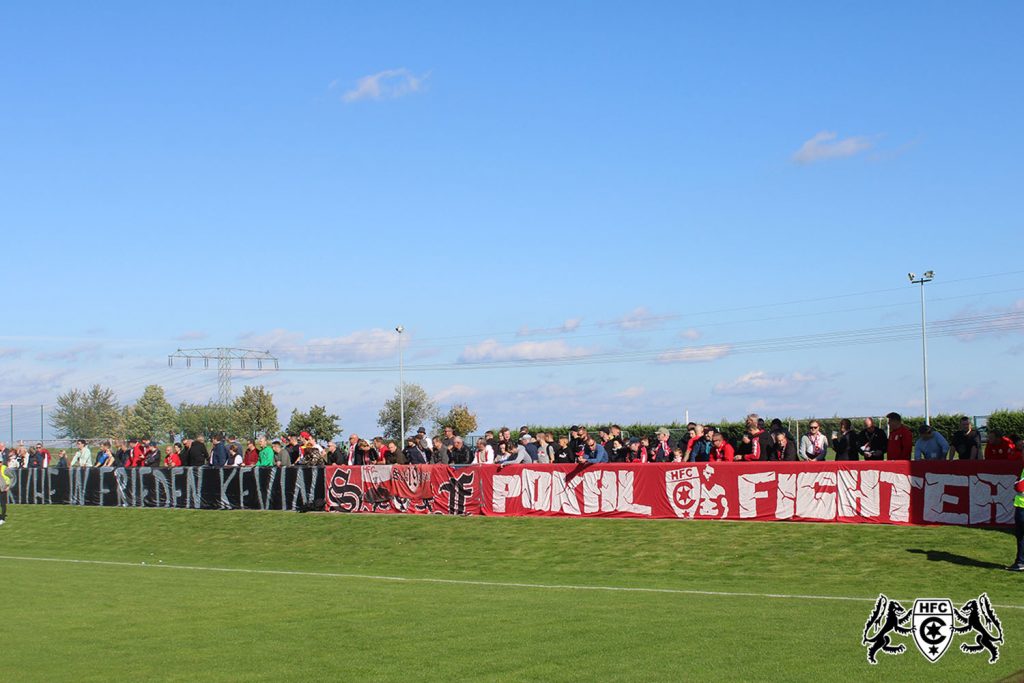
(458, 582)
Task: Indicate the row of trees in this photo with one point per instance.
(420, 409)
(96, 413)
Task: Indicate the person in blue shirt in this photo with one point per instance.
(931, 445)
(599, 453)
(219, 456)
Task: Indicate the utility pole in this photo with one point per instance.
(225, 357)
(928, 276)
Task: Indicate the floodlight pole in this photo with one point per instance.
(401, 381)
(927, 277)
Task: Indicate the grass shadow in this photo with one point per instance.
(953, 558)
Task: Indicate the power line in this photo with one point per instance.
(965, 326)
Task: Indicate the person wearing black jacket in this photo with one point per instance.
(784, 448)
(414, 455)
(845, 443)
(458, 454)
(873, 442)
(123, 454)
(197, 453)
(563, 453)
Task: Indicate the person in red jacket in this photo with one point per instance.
(901, 439)
(1001, 447)
(171, 459)
(721, 450)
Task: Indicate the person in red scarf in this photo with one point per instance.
(721, 450)
(662, 451)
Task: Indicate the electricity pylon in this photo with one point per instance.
(225, 357)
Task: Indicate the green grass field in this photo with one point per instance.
(93, 621)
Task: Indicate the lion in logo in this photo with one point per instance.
(979, 617)
(887, 616)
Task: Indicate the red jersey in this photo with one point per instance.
(901, 443)
(1002, 449)
(724, 454)
(172, 460)
(250, 458)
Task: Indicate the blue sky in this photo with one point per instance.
(540, 180)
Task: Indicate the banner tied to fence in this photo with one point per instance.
(888, 492)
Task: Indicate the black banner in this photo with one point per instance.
(199, 488)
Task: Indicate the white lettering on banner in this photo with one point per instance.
(536, 490)
(857, 493)
(749, 495)
(936, 498)
(609, 492)
(563, 494)
(79, 478)
(121, 482)
(161, 484)
(785, 497)
(604, 491)
(992, 497)
(816, 495)
(194, 487)
(227, 474)
(591, 491)
(899, 495)
(625, 501)
(504, 487)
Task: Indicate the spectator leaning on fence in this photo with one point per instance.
(844, 442)
(83, 456)
(967, 441)
(1000, 447)
(721, 450)
(784, 448)
(930, 445)
(901, 439)
(813, 446)
(873, 441)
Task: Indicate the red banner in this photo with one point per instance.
(420, 489)
(890, 492)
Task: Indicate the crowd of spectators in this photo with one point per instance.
(701, 443)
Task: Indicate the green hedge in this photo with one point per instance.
(1007, 421)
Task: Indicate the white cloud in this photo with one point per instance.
(73, 353)
(493, 350)
(695, 354)
(690, 334)
(570, 325)
(11, 352)
(640, 318)
(631, 392)
(998, 321)
(191, 335)
(385, 85)
(828, 145)
(455, 392)
(759, 383)
(359, 346)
